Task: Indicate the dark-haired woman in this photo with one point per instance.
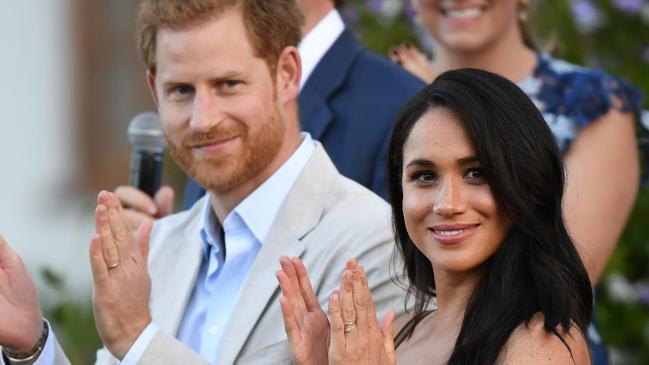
(591, 114)
(476, 185)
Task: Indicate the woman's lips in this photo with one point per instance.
(453, 234)
(463, 16)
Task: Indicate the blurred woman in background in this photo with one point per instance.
(591, 114)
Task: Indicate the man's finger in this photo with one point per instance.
(109, 250)
(136, 218)
(136, 200)
(118, 228)
(97, 261)
(142, 235)
(164, 201)
(6, 253)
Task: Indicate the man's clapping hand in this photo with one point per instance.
(21, 325)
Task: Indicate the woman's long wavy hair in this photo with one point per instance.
(537, 268)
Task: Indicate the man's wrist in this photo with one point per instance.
(18, 357)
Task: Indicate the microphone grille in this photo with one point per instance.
(145, 132)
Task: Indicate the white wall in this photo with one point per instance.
(41, 214)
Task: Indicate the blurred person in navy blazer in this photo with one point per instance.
(349, 99)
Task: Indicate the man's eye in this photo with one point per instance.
(183, 90)
(230, 84)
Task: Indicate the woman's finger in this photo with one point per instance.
(337, 335)
(290, 324)
(388, 336)
(306, 289)
(348, 310)
(291, 287)
(363, 288)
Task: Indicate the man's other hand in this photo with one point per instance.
(21, 324)
(140, 208)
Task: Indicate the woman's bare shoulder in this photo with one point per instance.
(533, 344)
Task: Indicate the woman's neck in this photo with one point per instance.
(508, 57)
(454, 290)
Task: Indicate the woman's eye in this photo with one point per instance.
(423, 177)
(475, 174)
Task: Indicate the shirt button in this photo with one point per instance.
(214, 330)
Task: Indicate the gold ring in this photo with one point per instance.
(113, 265)
(349, 327)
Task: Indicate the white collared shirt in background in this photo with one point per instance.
(317, 42)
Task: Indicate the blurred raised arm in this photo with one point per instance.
(602, 178)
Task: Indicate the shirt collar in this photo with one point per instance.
(317, 42)
(257, 212)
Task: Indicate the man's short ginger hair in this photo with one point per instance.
(272, 25)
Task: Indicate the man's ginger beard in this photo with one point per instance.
(221, 173)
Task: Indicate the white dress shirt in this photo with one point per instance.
(317, 42)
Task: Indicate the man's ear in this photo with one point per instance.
(289, 73)
(150, 80)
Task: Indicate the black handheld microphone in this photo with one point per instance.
(147, 139)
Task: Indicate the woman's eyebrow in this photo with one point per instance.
(420, 162)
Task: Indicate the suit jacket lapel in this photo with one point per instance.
(328, 76)
(175, 277)
(300, 213)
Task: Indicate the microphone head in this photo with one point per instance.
(145, 132)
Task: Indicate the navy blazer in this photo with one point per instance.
(349, 104)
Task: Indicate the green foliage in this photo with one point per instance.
(72, 322)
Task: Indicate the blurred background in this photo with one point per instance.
(73, 81)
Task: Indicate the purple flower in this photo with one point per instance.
(374, 5)
(587, 16)
(409, 9)
(643, 292)
(384, 8)
(629, 7)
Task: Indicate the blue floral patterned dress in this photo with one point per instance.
(570, 98)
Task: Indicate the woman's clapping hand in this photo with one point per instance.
(352, 335)
(356, 335)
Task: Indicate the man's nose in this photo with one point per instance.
(207, 112)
